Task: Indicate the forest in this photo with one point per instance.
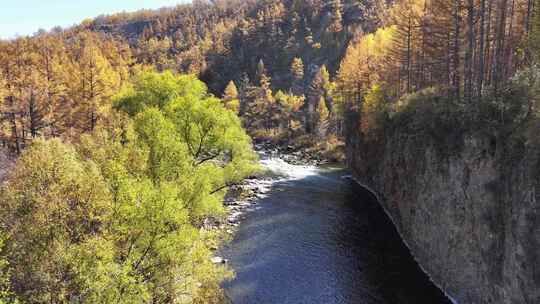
(127, 129)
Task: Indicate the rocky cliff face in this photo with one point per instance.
(471, 217)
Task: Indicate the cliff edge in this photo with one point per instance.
(469, 213)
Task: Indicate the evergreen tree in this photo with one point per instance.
(261, 107)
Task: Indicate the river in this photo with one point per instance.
(319, 238)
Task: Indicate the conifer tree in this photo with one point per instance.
(244, 93)
(262, 74)
(337, 16)
(534, 34)
(297, 73)
(318, 91)
(230, 97)
(96, 82)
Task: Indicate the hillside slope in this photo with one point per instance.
(225, 40)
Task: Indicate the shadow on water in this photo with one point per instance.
(321, 239)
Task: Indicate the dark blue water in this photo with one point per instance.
(318, 238)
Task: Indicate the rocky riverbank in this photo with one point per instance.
(245, 197)
(294, 155)
(240, 199)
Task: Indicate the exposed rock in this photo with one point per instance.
(218, 260)
(471, 221)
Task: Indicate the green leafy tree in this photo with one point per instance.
(53, 201)
(203, 132)
(116, 218)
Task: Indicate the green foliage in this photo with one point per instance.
(6, 294)
(375, 111)
(193, 121)
(115, 219)
(431, 116)
(157, 89)
(514, 107)
(290, 105)
(53, 201)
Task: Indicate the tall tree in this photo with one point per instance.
(534, 34)
(317, 107)
(95, 80)
(230, 97)
(297, 74)
(337, 16)
(469, 53)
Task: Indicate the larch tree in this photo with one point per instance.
(230, 97)
(96, 82)
(534, 34)
(337, 16)
(317, 96)
(262, 108)
(297, 74)
(290, 105)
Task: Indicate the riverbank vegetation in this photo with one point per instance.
(118, 165)
(115, 215)
(440, 71)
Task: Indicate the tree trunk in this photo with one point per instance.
(456, 81)
(468, 92)
(498, 69)
(409, 51)
(480, 81)
(489, 54)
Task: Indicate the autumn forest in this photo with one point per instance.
(125, 131)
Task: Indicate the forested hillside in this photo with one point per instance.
(122, 151)
(277, 57)
(282, 60)
(223, 40)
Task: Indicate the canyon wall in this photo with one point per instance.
(471, 216)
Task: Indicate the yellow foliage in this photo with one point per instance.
(366, 63)
(374, 110)
(366, 56)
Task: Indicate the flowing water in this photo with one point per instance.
(319, 238)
